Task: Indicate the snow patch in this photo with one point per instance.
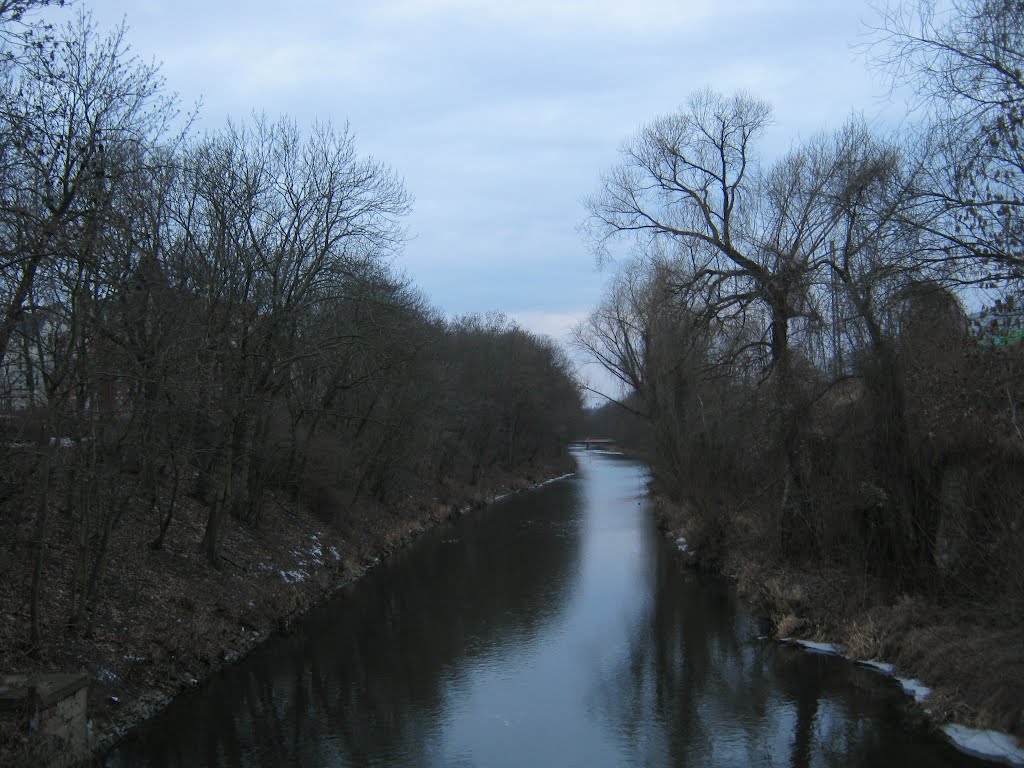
(987, 745)
(293, 577)
(990, 745)
(915, 688)
(879, 666)
(60, 442)
(556, 479)
(828, 649)
(681, 544)
(335, 554)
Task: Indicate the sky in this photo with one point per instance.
(501, 115)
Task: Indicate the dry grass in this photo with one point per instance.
(166, 620)
(977, 670)
(975, 666)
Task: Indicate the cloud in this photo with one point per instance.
(547, 17)
(557, 325)
(502, 115)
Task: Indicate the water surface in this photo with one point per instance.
(554, 628)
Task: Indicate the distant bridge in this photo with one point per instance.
(596, 443)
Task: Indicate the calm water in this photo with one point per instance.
(555, 628)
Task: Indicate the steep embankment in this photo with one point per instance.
(969, 659)
(167, 620)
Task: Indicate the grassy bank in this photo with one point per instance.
(970, 653)
(168, 619)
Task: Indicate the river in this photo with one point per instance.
(553, 628)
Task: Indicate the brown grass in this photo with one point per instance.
(166, 619)
(975, 666)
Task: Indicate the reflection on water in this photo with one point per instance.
(553, 629)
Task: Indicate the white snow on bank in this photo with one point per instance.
(305, 559)
(502, 496)
(829, 649)
(681, 544)
(990, 745)
(881, 666)
(915, 688)
(314, 550)
(60, 442)
(556, 479)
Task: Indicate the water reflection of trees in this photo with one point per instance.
(698, 689)
(363, 680)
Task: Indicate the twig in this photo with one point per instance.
(1013, 413)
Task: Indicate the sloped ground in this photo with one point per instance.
(970, 655)
(166, 619)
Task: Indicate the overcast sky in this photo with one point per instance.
(501, 114)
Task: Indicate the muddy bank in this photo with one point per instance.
(968, 657)
(168, 620)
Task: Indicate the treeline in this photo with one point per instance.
(794, 331)
(215, 317)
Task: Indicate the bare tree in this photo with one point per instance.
(76, 117)
(692, 177)
(273, 226)
(68, 114)
(966, 62)
(692, 183)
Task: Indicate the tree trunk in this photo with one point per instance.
(907, 543)
(794, 527)
(16, 306)
(213, 520)
(39, 539)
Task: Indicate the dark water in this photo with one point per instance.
(555, 628)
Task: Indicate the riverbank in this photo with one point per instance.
(167, 620)
(968, 656)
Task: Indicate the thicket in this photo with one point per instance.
(793, 329)
(216, 316)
